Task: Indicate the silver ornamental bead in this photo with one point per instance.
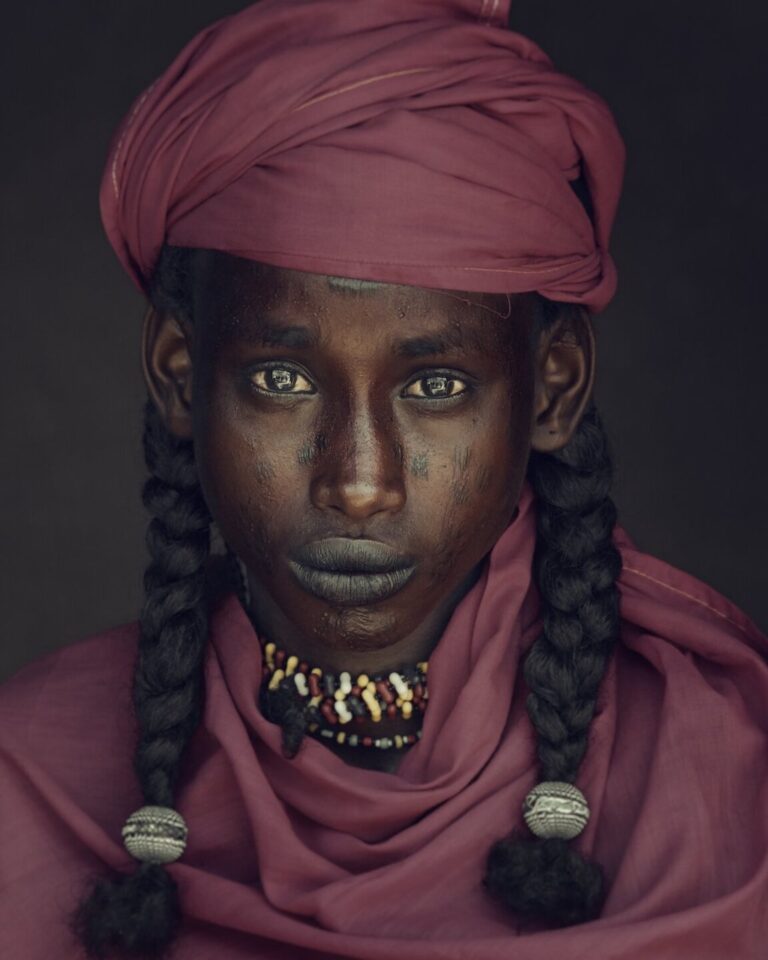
(556, 809)
(155, 835)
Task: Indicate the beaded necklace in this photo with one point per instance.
(333, 701)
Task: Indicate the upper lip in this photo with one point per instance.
(345, 555)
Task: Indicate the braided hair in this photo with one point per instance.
(138, 915)
(576, 566)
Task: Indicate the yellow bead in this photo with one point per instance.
(398, 741)
(370, 700)
(291, 665)
(363, 680)
(341, 737)
(316, 701)
(339, 695)
(407, 709)
(277, 676)
(317, 671)
(269, 653)
(399, 702)
(423, 666)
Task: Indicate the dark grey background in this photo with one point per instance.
(682, 348)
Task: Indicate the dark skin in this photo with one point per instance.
(397, 414)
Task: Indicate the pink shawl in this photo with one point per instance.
(409, 141)
(311, 858)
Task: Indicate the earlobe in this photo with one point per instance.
(167, 365)
(565, 367)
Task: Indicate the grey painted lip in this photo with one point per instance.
(351, 589)
(346, 555)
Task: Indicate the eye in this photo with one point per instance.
(279, 379)
(436, 386)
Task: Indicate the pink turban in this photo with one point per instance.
(409, 141)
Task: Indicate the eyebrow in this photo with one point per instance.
(275, 335)
(430, 345)
(298, 337)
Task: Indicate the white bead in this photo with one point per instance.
(343, 711)
(556, 809)
(155, 834)
(399, 684)
(345, 683)
(301, 684)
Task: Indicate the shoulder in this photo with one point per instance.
(658, 598)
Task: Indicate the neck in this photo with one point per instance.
(341, 642)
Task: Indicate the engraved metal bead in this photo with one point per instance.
(155, 834)
(556, 809)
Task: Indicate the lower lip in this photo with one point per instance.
(351, 589)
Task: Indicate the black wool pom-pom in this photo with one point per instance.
(133, 916)
(545, 880)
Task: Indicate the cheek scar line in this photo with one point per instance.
(420, 465)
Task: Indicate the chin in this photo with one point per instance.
(359, 629)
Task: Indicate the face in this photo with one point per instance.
(360, 449)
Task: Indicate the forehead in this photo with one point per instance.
(233, 294)
(222, 278)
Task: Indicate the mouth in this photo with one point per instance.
(351, 572)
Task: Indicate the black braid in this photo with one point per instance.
(138, 915)
(576, 567)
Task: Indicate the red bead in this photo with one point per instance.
(360, 720)
(391, 711)
(383, 691)
(303, 667)
(367, 741)
(422, 705)
(329, 713)
(356, 691)
(314, 684)
(418, 692)
(280, 658)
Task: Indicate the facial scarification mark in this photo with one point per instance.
(309, 450)
(461, 458)
(306, 453)
(264, 470)
(420, 465)
(355, 286)
(483, 479)
(460, 483)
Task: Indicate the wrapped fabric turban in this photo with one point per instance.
(411, 141)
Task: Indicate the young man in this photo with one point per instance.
(442, 707)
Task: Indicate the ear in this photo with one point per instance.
(167, 363)
(565, 370)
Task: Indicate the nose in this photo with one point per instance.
(360, 470)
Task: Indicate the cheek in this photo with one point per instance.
(469, 498)
(249, 478)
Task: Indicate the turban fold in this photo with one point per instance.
(410, 141)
